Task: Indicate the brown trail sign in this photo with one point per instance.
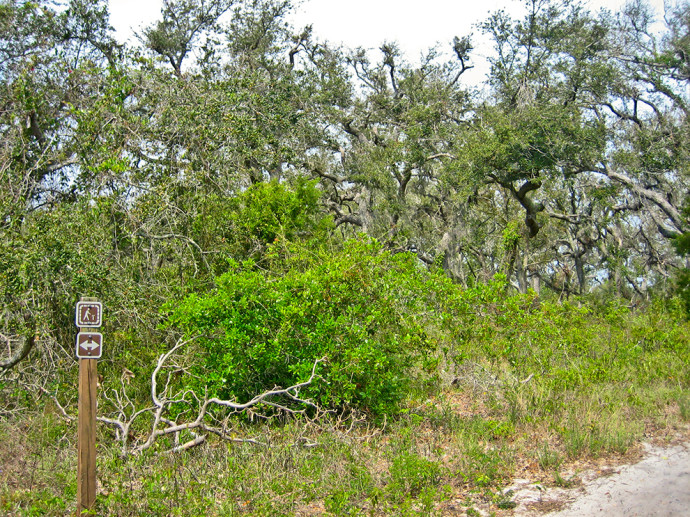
(88, 314)
(89, 345)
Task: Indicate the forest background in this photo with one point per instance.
(258, 209)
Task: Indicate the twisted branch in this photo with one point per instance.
(199, 428)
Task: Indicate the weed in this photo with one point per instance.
(504, 501)
(506, 505)
(338, 502)
(443, 419)
(684, 407)
(548, 458)
(410, 474)
(617, 441)
(576, 440)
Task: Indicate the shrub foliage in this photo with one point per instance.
(365, 309)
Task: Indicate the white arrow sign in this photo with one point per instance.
(89, 345)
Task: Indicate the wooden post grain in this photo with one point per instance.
(86, 461)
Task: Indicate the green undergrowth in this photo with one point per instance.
(389, 328)
(507, 384)
(428, 458)
(371, 314)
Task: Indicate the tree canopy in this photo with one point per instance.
(144, 173)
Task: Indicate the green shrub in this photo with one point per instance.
(364, 309)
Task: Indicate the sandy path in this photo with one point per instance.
(658, 485)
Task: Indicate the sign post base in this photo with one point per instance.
(86, 461)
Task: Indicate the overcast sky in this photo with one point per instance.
(416, 25)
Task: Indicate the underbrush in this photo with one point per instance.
(515, 386)
(432, 458)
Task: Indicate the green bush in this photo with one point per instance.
(573, 343)
(364, 309)
(243, 225)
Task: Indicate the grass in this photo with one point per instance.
(525, 409)
(415, 467)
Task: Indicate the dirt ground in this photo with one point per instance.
(656, 485)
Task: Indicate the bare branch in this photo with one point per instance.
(440, 155)
(62, 410)
(656, 198)
(188, 434)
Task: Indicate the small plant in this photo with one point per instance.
(504, 500)
(548, 458)
(684, 407)
(576, 440)
(506, 504)
(618, 440)
(565, 483)
(338, 502)
(479, 466)
(411, 473)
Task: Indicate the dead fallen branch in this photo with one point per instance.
(185, 431)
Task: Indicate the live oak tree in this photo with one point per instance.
(139, 172)
(388, 177)
(651, 110)
(44, 56)
(570, 116)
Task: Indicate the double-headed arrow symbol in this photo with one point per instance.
(89, 345)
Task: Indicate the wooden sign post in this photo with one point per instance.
(89, 347)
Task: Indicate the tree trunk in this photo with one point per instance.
(580, 270)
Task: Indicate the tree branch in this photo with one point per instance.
(199, 427)
(28, 343)
(657, 198)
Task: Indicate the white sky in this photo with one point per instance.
(416, 25)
